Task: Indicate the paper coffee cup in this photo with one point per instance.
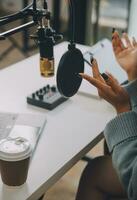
(14, 160)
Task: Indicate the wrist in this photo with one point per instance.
(131, 77)
(123, 109)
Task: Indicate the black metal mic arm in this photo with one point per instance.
(40, 17)
(44, 35)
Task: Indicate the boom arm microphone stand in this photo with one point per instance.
(71, 63)
(45, 35)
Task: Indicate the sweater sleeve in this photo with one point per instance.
(124, 160)
(131, 88)
(121, 128)
(121, 137)
(124, 126)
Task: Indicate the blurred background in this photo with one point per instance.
(94, 21)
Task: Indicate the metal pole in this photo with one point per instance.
(96, 26)
(56, 18)
(17, 29)
(128, 17)
(25, 34)
(80, 20)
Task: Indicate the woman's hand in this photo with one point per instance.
(110, 90)
(126, 54)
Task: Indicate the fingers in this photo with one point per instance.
(104, 90)
(95, 69)
(96, 72)
(134, 42)
(112, 77)
(117, 43)
(98, 84)
(128, 43)
(113, 83)
(120, 44)
(123, 43)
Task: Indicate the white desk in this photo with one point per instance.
(72, 129)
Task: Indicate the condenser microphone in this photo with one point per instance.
(46, 38)
(46, 43)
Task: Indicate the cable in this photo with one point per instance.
(72, 17)
(73, 20)
(34, 5)
(45, 5)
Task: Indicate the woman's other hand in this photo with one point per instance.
(126, 53)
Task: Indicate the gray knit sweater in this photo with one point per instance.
(121, 137)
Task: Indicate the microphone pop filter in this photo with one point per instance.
(71, 64)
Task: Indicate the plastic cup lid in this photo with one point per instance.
(14, 149)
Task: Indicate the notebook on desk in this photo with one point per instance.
(15, 125)
(105, 57)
